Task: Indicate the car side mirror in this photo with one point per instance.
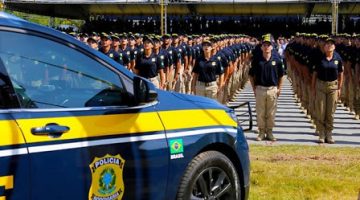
(144, 91)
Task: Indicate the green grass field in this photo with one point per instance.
(304, 172)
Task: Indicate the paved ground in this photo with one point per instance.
(292, 126)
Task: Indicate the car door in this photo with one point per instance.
(14, 158)
(83, 138)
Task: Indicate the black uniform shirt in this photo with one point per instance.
(163, 57)
(112, 54)
(124, 56)
(266, 73)
(223, 58)
(207, 69)
(328, 70)
(174, 56)
(148, 66)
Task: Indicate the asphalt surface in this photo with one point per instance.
(292, 126)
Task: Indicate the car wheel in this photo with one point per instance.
(210, 176)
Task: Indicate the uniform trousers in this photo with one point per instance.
(206, 89)
(170, 76)
(266, 103)
(187, 81)
(155, 81)
(326, 96)
(179, 85)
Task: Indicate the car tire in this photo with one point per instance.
(212, 176)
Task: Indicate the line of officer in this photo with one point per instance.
(348, 48)
(327, 77)
(266, 77)
(179, 54)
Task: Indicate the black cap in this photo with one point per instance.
(147, 38)
(330, 39)
(166, 36)
(131, 37)
(206, 43)
(156, 39)
(91, 39)
(137, 35)
(115, 37)
(105, 35)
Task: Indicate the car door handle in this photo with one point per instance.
(52, 130)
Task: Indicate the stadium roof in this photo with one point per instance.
(85, 8)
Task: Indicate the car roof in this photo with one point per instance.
(8, 20)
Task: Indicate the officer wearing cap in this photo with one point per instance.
(123, 50)
(148, 65)
(206, 68)
(91, 42)
(266, 76)
(106, 42)
(178, 82)
(133, 50)
(173, 61)
(326, 84)
(163, 57)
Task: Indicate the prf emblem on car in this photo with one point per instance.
(7, 182)
(107, 178)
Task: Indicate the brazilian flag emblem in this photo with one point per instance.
(176, 146)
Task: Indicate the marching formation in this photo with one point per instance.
(214, 66)
(322, 77)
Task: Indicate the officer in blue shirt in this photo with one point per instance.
(162, 57)
(266, 76)
(106, 48)
(148, 65)
(206, 68)
(116, 45)
(326, 84)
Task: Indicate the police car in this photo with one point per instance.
(75, 125)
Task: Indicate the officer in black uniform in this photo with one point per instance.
(266, 76)
(106, 48)
(148, 65)
(326, 84)
(163, 57)
(206, 68)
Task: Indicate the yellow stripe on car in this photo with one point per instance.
(10, 133)
(181, 119)
(106, 125)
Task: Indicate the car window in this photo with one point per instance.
(48, 74)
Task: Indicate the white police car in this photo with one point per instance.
(76, 125)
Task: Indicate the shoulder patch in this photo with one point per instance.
(336, 62)
(273, 63)
(153, 59)
(213, 63)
